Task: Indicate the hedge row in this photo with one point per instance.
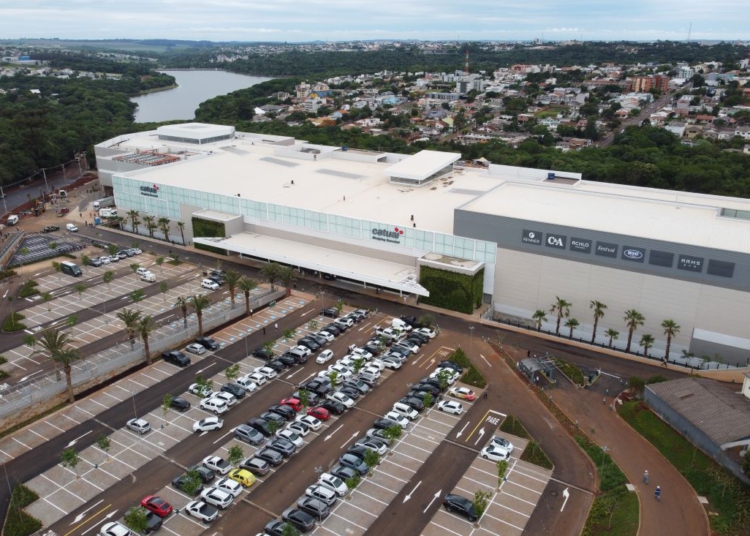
(451, 290)
(13, 322)
(18, 522)
(29, 288)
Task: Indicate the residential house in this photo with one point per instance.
(742, 132)
(693, 131)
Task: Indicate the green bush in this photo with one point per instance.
(3, 360)
(13, 322)
(473, 377)
(610, 474)
(511, 425)
(28, 289)
(451, 290)
(4, 274)
(571, 371)
(212, 249)
(533, 453)
(615, 514)
(18, 522)
(459, 358)
(208, 229)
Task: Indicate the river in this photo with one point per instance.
(193, 88)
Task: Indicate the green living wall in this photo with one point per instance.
(209, 229)
(450, 290)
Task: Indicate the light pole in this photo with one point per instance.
(5, 466)
(471, 338)
(605, 448)
(132, 395)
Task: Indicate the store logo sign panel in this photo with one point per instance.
(387, 235)
(150, 191)
(532, 237)
(555, 241)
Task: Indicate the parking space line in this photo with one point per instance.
(38, 434)
(149, 377)
(521, 472)
(407, 456)
(508, 508)
(504, 522)
(326, 528)
(128, 448)
(477, 481)
(351, 503)
(516, 498)
(381, 486)
(524, 487)
(140, 384)
(395, 477)
(401, 466)
(194, 522)
(370, 497)
(111, 396)
(22, 444)
(445, 528)
(54, 505)
(350, 521)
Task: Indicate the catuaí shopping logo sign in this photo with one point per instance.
(151, 191)
(385, 235)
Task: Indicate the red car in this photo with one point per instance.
(319, 413)
(157, 505)
(293, 403)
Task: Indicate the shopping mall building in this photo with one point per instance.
(456, 234)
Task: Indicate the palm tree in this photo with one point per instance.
(563, 310)
(134, 221)
(613, 335)
(670, 330)
(232, 278)
(53, 341)
(598, 308)
(571, 323)
(271, 272)
(150, 225)
(647, 341)
(145, 327)
(247, 285)
(199, 302)
(66, 357)
(131, 319)
(164, 227)
(181, 227)
(182, 303)
(286, 276)
(539, 317)
(633, 319)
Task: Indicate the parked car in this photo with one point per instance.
(310, 420)
(451, 364)
(354, 462)
(464, 393)
(208, 343)
(314, 507)
(283, 446)
(273, 457)
(302, 520)
(209, 284)
(495, 453)
(275, 528)
(332, 406)
(344, 473)
(206, 475)
(462, 505)
(196, 349)
(450, 406)
(331, 312)
(217, 464)
(256, 466)
(341, 398)
(373, 445)
(201, 510)
(248, 434)
(246, 383)
(180, 481)
(402, 421)
(216, 497)
(156, 505)
(384, 424)
(322, 493)
(243, 477)
(287, 359)
(319, 413)
(140, 426)
(324, 357)
(215, 405)
(293, 403)
(333, 483)
(51, 228)
(233, 389)
(299, 428)
(176, 358)
(113, 528)
(263, 353)
(502, 442)
(208, 424)
(230, 486)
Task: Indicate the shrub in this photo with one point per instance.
(18, 522)
(571, 371)
(13, 322)
(4, 274)
(533, 453)
(28, 289)
(511, 425)
(473, 377)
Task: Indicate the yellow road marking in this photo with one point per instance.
(89, 519)
(478, 424)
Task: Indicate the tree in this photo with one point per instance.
(30, 341)
(80, 288)
(131, 320)
(56, 266)
(636, 384)
(53, 341)
(358, 365)
(164, 227)
(107, 277)
(371, 459)
(136, 519)
(647, 341)
(670, 330)
(192, 482)
(443, 379)
(181, 227)
(235, 455)
(334, 377)
(246, 286)
(339, 306)
(268, 346)
(393, 432)
(146, 325)
(205, 386)
(134, 221)
(112, 250)
(633, 319)
(85, 259)
(289, 530)
(353, 482)
(159, 262)
(104, 444)
(428, 400)
(286, 276)
(562, 307)
(183, 304)
(233, 372)
(47, 297)
(598, 308)
(273, 427)
(199, 302)
(304, 398)
(539, 317)
(480, 502)
(288, 334)
(502, 467)
(426, 320)
(137, 296)
(71, 321)
(134, 267)
(66, 358)
(164, 288)
(613, 335)
(571, 323)
(166, 405)
(70, 459)
(271, 272)
(312, 325)
(232, 279)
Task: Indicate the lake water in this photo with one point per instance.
(193, 88)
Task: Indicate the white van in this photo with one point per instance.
(108, 213)
(148, 277)
(405, 411)
(12, 220)
(96, 205)
(400, 324)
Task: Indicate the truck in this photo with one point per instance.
(104, 202)
(107, 213)
(12, 220)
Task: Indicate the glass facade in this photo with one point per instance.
(132, 194)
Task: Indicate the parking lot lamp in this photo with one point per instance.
(471, 338)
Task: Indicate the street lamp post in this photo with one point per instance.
(471, 338)
(132, 395)
(5, 466)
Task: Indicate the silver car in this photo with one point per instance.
(139, 425)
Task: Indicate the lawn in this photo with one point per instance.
(615, 514)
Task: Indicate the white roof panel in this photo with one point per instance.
(421, 165)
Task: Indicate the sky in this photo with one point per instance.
(343, 20)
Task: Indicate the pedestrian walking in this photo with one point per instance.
(276, 327)
(664, 362)
(485, 395)
(264, 331)
(645, 476)
(657, 493)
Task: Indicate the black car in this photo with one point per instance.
(206, 474)
(218, 273)
(208, 343)
(422, 395)
(53, 228)
(341, 325)
(256, 466)
(398, 350)
(307, 342)
(273, 416)
(288, 359)
(319, 387)
(373, 348)
(344, 473)
(180, 481)
(217, 279)
(462, 505)
(428, 387)
(179, 403)
(248, 434)
(362, 387)
(352, 392)
(282, 445)
(421, 336)
(331, 312)
(357, 451)
(276, 365)
(385, 341)
(335, 407)
(271, 456)
(322, 341)
(333, 330)
(414, 340)
(176, 358)
(302, 520)
(234, 389)
(275, 528)
(413, 402)
(384, 424)
(451, 365)
(260, 425)
(263, 353)
(312, 398)
(285, 411)
(411, 320)
(315, 507)
(153, 522)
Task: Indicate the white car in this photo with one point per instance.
(427, 331)
(230, 486)
(246, 383)
(338, 396)
(303, 349)
(325, 374)
(208, 424)
(139, 425)
(324, 357)
(114, 529)
(326, 335)
(343, 372)
(72, 228)
(413, 348)
(374, 371)
(333, 483)
(345, 320)
(310, 421)
(450, 375)
(323, 494)
(216, 405)
(502, 443)
(495, 453)
(257, 378)
(377, 363)
(229, 398)
(289, 435)
(201, 510)
(217, 497)
(137, 251)
(217, 464)
(202, 391)
(114, 258)
(376, 446)
(267, 372)
(299, 428)
(209, 284)
(450, 406)
(400, 419)
(361, 353)
(388, 333)
(391, 362)
(104, 259)
(196, 349)
(464, 393)
(142, 270)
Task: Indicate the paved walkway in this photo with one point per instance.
(679, 511)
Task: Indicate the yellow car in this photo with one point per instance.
(243, 476)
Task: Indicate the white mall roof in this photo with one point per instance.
(422, 165)
(195, 131)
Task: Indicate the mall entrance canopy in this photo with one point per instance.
(371, 271)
